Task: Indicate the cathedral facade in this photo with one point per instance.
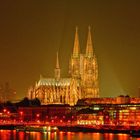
(83, 81)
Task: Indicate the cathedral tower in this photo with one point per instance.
(90, 74)
(75, 58)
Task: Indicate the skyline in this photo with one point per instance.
(32, 32)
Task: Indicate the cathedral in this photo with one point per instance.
(83, 81)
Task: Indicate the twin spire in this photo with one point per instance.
(76, 49)
(89, 46)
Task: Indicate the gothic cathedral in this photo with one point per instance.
(83, 81)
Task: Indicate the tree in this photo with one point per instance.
(24, 102)
(35, 102)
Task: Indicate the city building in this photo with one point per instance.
(52, 113)
(126, 116)
(83, 81)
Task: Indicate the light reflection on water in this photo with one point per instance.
(13, 135)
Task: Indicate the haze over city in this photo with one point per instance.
(33, 31)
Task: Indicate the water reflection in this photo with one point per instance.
(20, 135)
(123, 136)
(61, 135)
(96, 136)
(109, 136)
(13, 135)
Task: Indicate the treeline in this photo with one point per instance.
(25, 102)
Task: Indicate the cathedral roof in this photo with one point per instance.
(54, 82)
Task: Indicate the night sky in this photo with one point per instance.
(31, 32)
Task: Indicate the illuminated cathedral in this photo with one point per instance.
(83, 81)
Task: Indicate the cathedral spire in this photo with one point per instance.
(57, 61)
(89, 47)
(57, 68)
(76, 49)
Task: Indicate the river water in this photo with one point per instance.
(13, 135)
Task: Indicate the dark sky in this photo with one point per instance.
(31, 32)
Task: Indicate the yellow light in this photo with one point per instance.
(49, 128)
(55, 128)
(133, 108)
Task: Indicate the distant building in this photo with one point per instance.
(123, 99)
(7, 93)
(107, 100)
(83, 82)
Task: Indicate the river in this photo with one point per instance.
(13, 135)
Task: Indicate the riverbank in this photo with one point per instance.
(91, 129)
(9, 126)
(84, 129)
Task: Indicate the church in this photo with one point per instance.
(83, 81)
